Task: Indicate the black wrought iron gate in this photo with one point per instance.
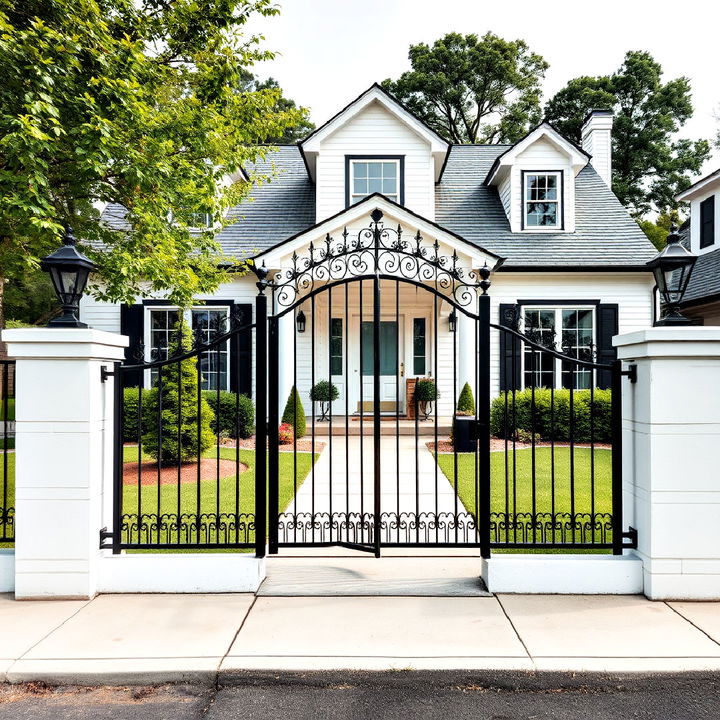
(428, 425)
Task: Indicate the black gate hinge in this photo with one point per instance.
(631, 373)
(105, 373)
(632, 535)
(106, 534)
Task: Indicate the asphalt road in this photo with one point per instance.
(401, 695)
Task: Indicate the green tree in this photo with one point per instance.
(175, 403)
(471, 89)
(133, 102)
(658, 231)
(294, 413)
(650, 164)
(292, 133)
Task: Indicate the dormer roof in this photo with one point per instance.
(545, 131)
(310, 146)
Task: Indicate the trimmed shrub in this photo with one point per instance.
(131, 399)
(466, 401)
(554, 425)
(294, 413)
(426, 390)
(226, 422)
(192, 439)
(324, 391)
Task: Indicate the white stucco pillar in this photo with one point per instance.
(671, 432)
(63, 457)
(286, 329)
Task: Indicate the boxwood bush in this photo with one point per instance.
(555, 425)
(223, 421)
(225, 413)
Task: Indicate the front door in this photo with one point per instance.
(392, 367)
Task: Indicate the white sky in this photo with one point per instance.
(332, 50)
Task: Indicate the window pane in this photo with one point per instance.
(539, 366)
(360, 169)
(374, 170)
(419, 345)
(336, 346)
(214, 363)
(374, 185)
(360, 185)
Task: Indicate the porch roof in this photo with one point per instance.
(391, 210)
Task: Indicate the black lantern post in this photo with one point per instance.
(672, 268)
(69, 271)
(300, 320)
(452, 321)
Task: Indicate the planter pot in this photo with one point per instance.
(424, 409)
(464, 434)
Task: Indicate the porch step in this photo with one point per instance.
(387, 427)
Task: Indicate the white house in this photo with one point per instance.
(567, 259)
(701, 234)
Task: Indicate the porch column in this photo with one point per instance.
(466, 355)
(63, 457)
(286, 328)
(671, 436)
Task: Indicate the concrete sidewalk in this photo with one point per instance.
(146, 639)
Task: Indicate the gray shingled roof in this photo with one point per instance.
(705, 278)
(274, 210)
(605, 234)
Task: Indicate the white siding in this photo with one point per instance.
(375, 131)
(541, 155)
(632, 293)
(505, 193)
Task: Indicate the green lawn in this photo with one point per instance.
(504, 500)
(188, 492)
(11, 409)
(232, 494)
(7, 484)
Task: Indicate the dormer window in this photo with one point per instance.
(542, 195)
(366, 175)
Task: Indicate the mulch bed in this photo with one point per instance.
(498, 445)
(169, 474)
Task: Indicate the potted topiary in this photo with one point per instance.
(463, 435)
(324, 392)
(426, 393)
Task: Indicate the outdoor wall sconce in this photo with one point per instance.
(672, 268)
(69, 270)
(452, 321)
(300, 320)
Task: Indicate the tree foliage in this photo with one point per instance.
(650, 164)
(466, 401)
(294, 413)
(173, 408)
(659, 230)
(471, 89)
(133, 102)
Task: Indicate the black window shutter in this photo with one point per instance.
(607, 327)
(132, 324)
(707, 222)
(241, 353)
(508, 349)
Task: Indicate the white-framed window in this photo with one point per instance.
(368, 176)
(570, 330)
(542, 200)
(160, 324)
(201, 220)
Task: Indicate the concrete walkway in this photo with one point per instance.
(154, 638)
(341, 486)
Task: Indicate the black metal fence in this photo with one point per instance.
(7, 447)
(186, 473)
(556, 479)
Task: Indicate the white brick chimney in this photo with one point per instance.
(596, 138)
